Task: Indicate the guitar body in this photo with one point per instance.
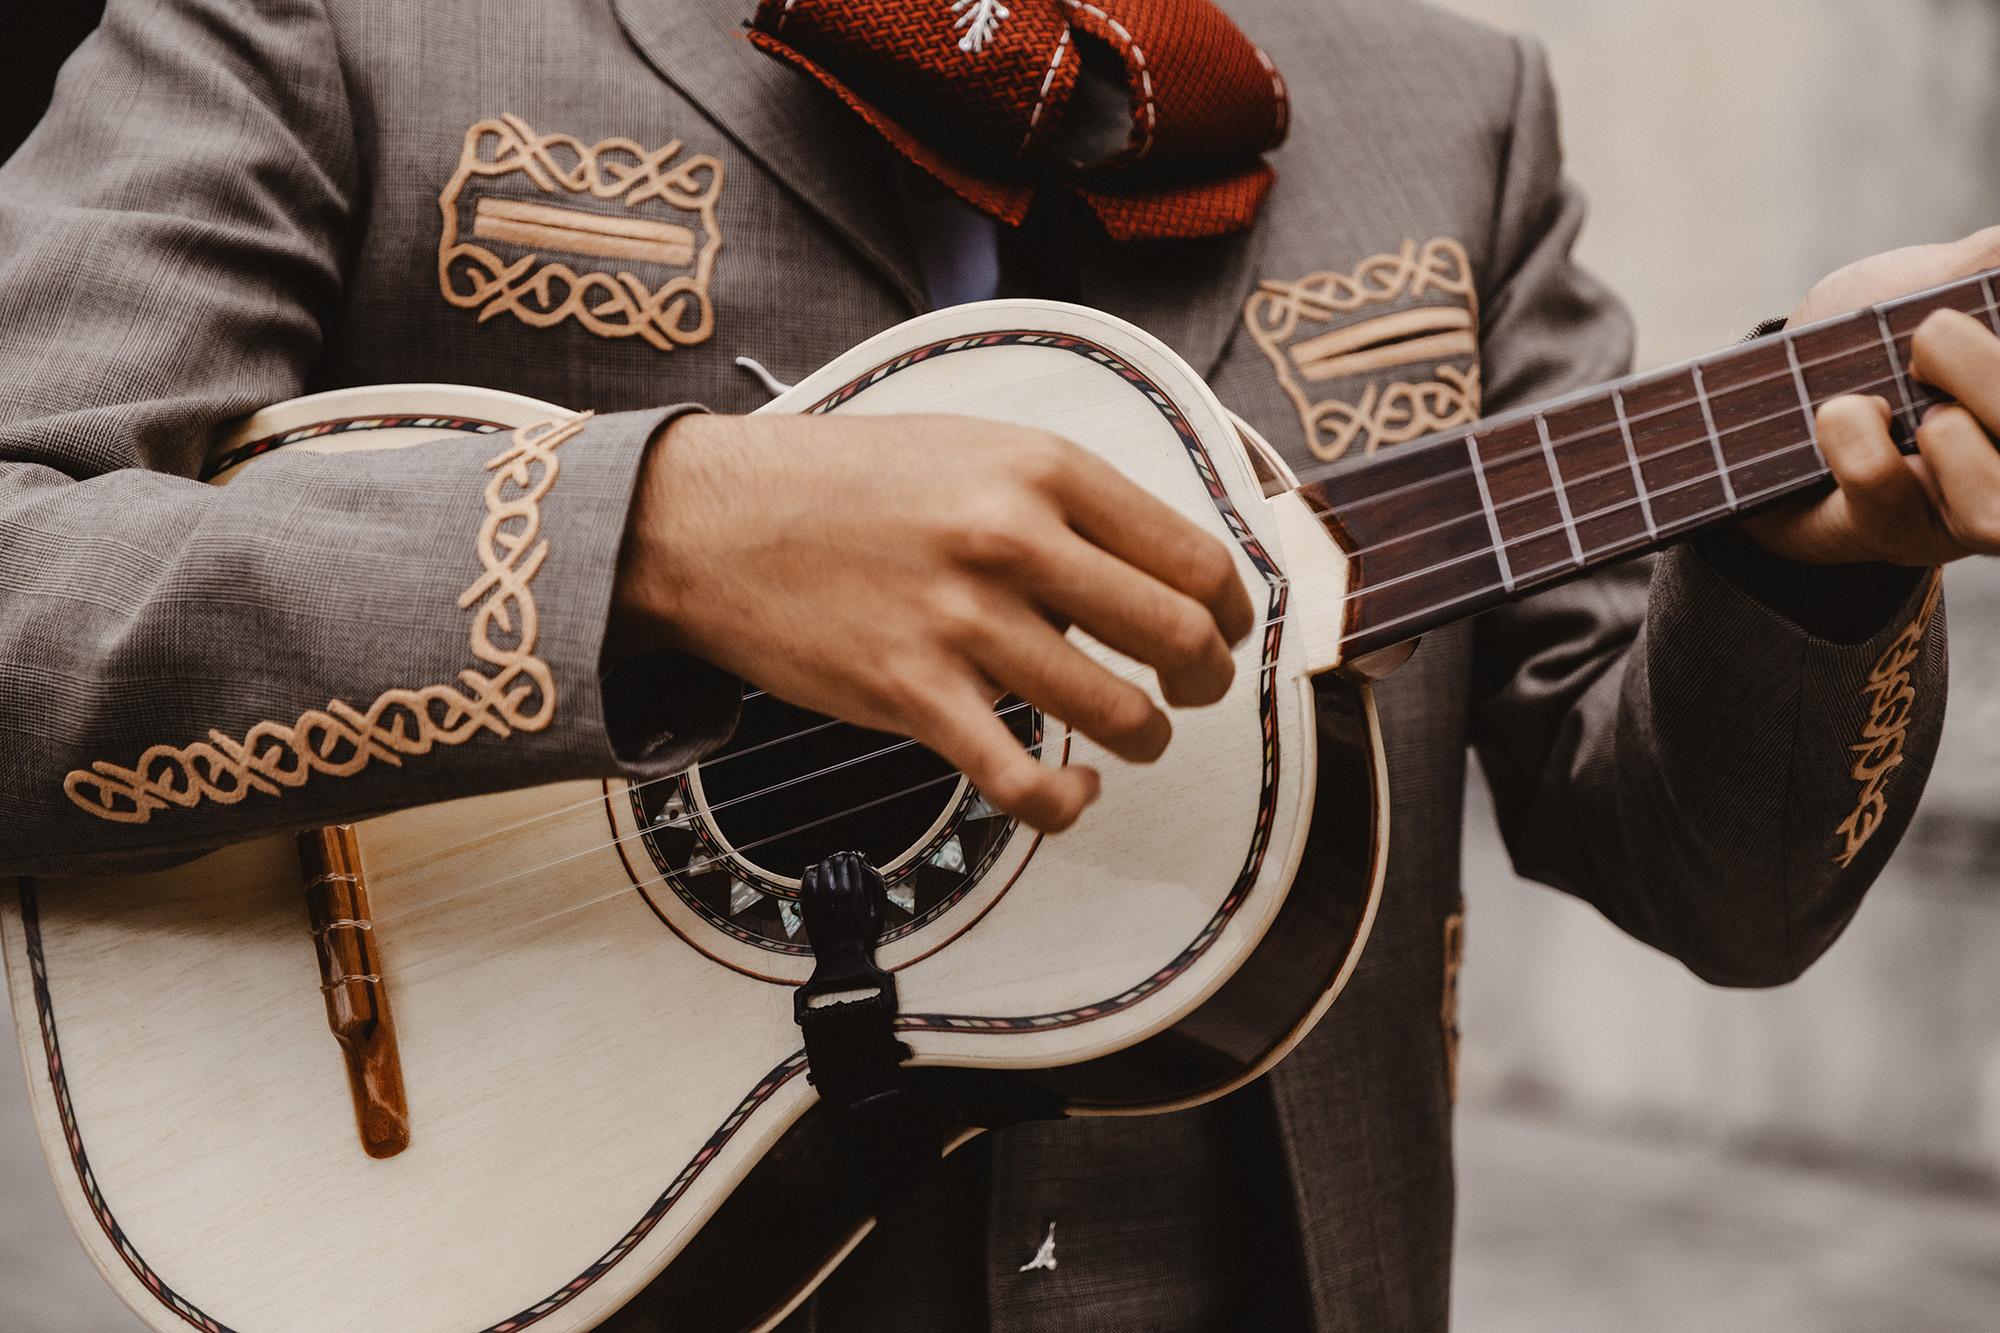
(592, 983)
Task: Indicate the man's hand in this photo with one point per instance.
(1942, 504)
(904, 572)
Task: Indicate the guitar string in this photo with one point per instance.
(434, 855)
(1622, 468)
(641, 831)
(661, 824)
(1682, 525)
(634, 887)
(1680, 405)
(1480, 514)
(1896, 378)
(905, 743)
(1653, 494)
(1722, 510)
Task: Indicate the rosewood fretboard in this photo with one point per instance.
(1450, 525)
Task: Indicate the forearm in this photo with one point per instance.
(327, 636)
(1728, 787)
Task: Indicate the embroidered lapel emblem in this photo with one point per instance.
(1892, 702)
(620, 238)
(1414, 312)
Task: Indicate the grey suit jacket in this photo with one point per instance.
(235, 202)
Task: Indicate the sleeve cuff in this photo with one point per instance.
(1844, 604)
(664, 710)
(660, 711)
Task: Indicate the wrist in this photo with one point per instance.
(647, 594)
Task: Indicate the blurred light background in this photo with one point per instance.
(1638, 1152)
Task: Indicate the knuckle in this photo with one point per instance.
(1186, 636)
(1042, 460)
(1124, 712)
(1849, 415)
(995, 532)
(1210, 568)
(959, 617)
(1982, 523)
(1952, 419)
(1012, 785)
(906, 692)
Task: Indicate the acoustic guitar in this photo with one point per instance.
(503, 1062)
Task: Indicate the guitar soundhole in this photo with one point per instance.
(794, 787)
(731, 836)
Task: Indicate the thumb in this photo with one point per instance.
(1975, 254)
(1895, 273)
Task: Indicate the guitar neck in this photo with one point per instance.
(1444, 528)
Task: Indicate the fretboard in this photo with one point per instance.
(1442, 528)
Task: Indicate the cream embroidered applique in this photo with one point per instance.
(1892, 702)
(513, 689)
(977, 21)
(1044, 1258)
(1454, 957)
(1308, 331)
(658, 244)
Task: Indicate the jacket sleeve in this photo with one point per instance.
(329, 635)
(1718, 781)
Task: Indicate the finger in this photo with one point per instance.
(959, 723)
(1031, 659)
(1960, 355)
(1822, 530)
(1965, 468)
(1973, 254)
(1136, 614)
(1881, 502)
(1145, 531)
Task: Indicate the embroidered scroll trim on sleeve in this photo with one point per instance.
(512, 690)
(1892, 702)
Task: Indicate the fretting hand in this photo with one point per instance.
(904, 572)
(1942, 504)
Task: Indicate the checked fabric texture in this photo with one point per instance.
(982, 94)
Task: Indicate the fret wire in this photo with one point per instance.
(1991, 309)
(1513, 581)
(1408, 487)
(1321, 474)
(1562, 492)
(1714, 438)
(1896, 365)
(1632, 454)
(1620, 506)
(1696, 520)
(1805, 398)
(1492, 515)
(1585, 395)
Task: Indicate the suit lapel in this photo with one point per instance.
(1187, 294)
(829, 160)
